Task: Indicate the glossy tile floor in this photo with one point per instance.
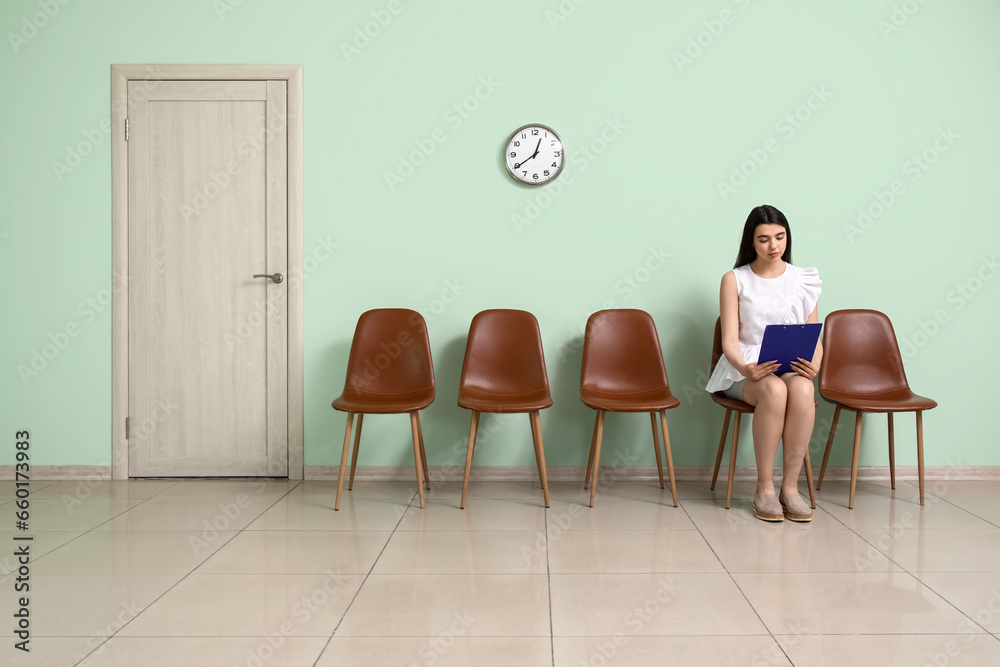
(251, 573)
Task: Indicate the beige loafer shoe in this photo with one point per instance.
(796, 508)
(767, 508)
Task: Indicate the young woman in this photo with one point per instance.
(765, 288)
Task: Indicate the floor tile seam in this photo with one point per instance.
(350, 604)
(992, 523)
(739, 588)
(756, 612)
(86, 532)
(236, 533)
(548, 586)
(951, 604)
(170, 588)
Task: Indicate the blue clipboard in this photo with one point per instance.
(787, 342)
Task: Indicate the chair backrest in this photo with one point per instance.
(716, 345)
(860, 354)
(504, 353)
(621, 352)
(390, 354)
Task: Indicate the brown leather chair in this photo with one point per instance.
(389, 371)
(863, 371)
(740, 408)
(504, 372)
(623, 371)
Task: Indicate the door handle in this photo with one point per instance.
(276, 277)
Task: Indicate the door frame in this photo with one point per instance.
(120, 76)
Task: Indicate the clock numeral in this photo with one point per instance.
(534, 132)
(557, 154)
(524, 173)
(545, 173)
(535, 176)
(512, 154)
(554, 165)
(524, 136)
(516, 144)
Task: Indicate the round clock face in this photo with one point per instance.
(534, 154)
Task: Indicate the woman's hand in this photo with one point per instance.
(757, 371)
(806, 369)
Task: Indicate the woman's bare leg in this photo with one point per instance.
(769, 396)
(800, 414)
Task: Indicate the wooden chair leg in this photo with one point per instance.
(468, 455)
(854, 461)
(354, 457)
(423, 455)
(920, 453)
(732, 460)
(415, 427)
(809, 480)
(597, 456)
(892, 455)
(593, 444)
(669, 455)
(536, 436)
(343, 459)
(829, 446)
(722, 446)
(656, 448)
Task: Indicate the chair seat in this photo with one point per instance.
(902, 400)
(731, 403)
(353, 400)
(630, 401)
(484, 401)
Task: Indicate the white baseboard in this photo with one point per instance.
(555, 474)
(643, 473)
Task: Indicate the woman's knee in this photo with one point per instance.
(799, 390)
(771, 391)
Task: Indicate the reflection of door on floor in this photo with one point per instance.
(207, 342)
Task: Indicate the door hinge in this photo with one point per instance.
(128, 428)
(126, 129)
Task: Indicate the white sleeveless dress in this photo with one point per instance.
(787, 299)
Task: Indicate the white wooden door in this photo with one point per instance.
(207, 342)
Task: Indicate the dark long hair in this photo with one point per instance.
(762, 215)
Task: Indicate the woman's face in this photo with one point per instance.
(769, 242)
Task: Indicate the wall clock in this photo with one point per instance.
(534, 154)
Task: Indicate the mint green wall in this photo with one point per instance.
(650, 138)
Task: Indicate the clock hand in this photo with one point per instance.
(533, 155)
